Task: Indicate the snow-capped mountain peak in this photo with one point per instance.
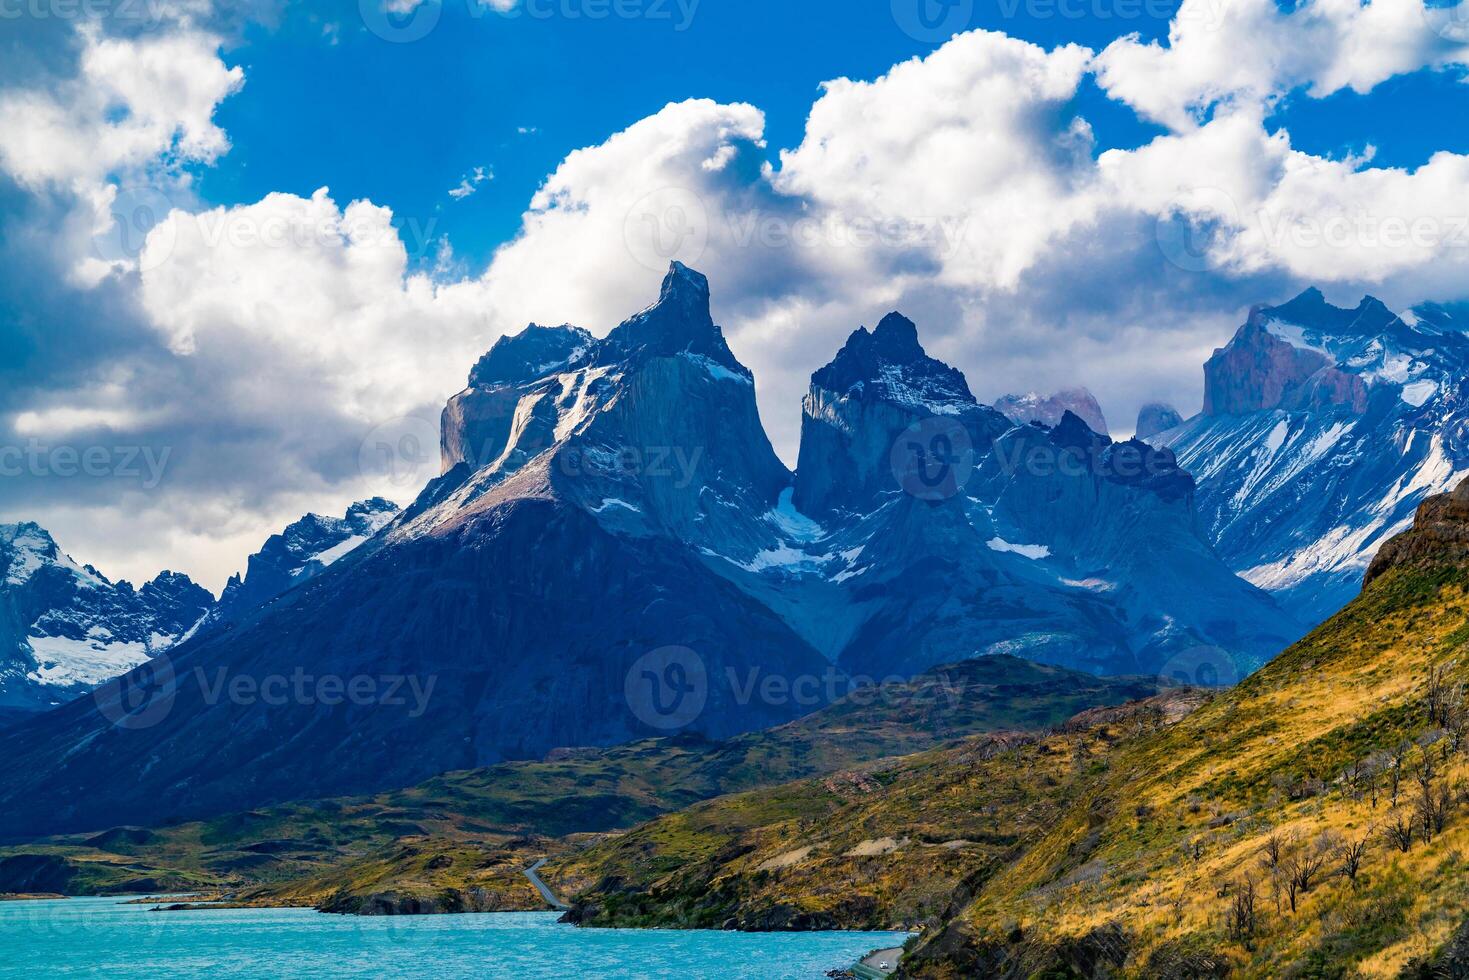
(65, 628)
(303, 550)
(1323, 429)
(1048, 409)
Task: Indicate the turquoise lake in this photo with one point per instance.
(103, 937)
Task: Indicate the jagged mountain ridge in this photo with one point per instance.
(607, 501)
(299, 553)
(65, 627)
(1322, 431)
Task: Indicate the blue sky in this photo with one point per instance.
(1058, 192)
(328, 102)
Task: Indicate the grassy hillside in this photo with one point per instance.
(1149, 841)
(458, 841)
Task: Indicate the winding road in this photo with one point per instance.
(543, 888)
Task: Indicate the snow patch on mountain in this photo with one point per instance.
(716, 370)
(1032, 551)
(65, 663)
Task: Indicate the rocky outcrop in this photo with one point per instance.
(1259, 371)
(880, 384)
(1440, 535)
(1047, 410)
(1156, 417)
(299, 553)
(528, 604)
(477, 422)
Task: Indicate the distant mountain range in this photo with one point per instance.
(615, 550)
(66, 628)
(1323, 429)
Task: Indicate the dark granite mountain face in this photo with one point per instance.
(1055, 544)
(66, 628)
(879, 384)
(621, 553)
(1323, 429)
(302, 551)
(889, 364)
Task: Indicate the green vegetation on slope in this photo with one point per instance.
(1258, 835)
(458, 841)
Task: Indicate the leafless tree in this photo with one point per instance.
(1443, 695)
(1397, 757)
(1354, 776)
(1351, 852)
(1274, 850)
(1243, 916)
(1400, 832)
(1432, 811)
(1303, 867)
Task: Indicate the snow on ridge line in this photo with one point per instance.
(615, 502)
(715, 369)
